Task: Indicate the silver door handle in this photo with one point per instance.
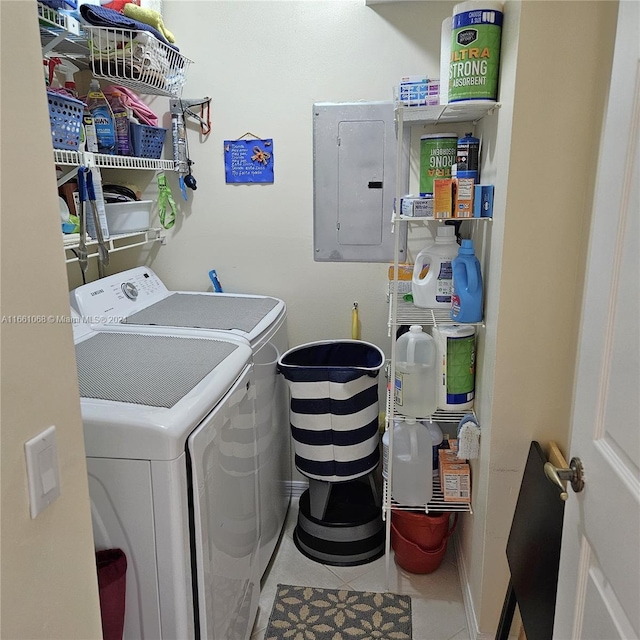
(574, 474)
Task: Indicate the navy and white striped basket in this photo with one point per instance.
(334, 407)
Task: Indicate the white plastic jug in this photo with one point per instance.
(433, 288)
(416, 383)
(412, 471)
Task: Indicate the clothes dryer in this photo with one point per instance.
(137, 300)
(169, 430)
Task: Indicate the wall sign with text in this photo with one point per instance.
(248, 161)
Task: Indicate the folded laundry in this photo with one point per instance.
(99, 16)
(141, 58)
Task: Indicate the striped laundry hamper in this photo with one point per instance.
(333, 387)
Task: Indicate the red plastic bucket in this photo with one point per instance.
(419, 540)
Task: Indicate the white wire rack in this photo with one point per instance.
(136, 59)
(114, 244)
(437, 504)
(105, 161)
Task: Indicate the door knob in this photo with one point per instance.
(574, 474)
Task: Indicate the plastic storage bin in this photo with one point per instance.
(65, 115)
(334, 407)
(128, 217)
(146, 141)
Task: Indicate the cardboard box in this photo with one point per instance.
(455, 481)
(483, 201)
(447, 456)
(444, 190)
(412, 207)
(405, 276)
(418, 91)
(463, 207)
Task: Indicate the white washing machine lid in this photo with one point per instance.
(142, 394)
(137, 299)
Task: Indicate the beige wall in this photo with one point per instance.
(49, 588)
(557, 101)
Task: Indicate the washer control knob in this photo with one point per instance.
(129, 289)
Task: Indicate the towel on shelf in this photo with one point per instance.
(132, 101)
(99, 16)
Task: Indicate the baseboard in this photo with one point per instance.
(472, 620)
(297, 487)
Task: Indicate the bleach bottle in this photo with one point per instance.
(412, 470)
(466, 298)
(433, 288)
(102, 119)
(416, 383)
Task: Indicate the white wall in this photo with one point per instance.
(49, 586)
(264, 64)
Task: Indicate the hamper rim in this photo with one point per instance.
(330, 366)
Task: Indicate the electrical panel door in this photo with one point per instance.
(354, 182)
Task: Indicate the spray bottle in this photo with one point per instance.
(102, 118)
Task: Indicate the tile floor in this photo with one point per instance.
(436, 598)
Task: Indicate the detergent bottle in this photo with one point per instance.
(466, 297)
(416, 383)
(412, 467)
(102, 118)
(432, 288)
(121, 123)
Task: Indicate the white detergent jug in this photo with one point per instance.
(432, 288)
(416, 383)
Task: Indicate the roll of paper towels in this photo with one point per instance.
(456, 346)
(445, 55)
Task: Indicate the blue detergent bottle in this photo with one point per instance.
(466, 298)
(102, 119)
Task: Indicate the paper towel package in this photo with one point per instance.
(456, 359)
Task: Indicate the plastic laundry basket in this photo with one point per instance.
(334, 407)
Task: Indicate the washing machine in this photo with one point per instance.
(170, 442)
(137, 300)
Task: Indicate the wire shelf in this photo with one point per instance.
(115, 243)
(440, 416)
(437, 504)
(105, 161)
(468, 111)
(406, 313)
(64, 34)
(136, 59)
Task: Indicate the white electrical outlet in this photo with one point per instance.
(42, 470)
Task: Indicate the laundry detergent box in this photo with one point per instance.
(464, 189)
(405, 275)
(483, 201)
(455, 482)
(413, 90)
(444, 196)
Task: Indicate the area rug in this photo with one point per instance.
(310, 613)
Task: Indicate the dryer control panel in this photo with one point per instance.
(111, 299)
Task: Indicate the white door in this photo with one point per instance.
(599, 582)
